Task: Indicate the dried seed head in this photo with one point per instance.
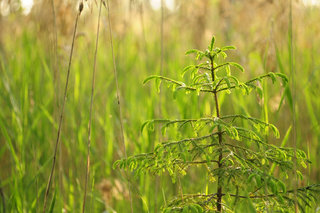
(80, 7)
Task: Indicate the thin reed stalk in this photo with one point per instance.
(62, 111)
(90, 112)
(55, 43)
(56, 77)
(161, 33)
(293, 87)
(118, 96)
(160, 98)
(3, 201)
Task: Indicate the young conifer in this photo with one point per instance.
(231, 148)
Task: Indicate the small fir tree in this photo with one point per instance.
(231, 148)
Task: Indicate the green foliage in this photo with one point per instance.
(53, 202)
(233, 149)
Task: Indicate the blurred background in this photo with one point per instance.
(148, 38)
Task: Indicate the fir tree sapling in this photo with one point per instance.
(231, 148)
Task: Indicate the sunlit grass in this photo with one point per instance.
(29, 95)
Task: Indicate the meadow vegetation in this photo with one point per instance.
(270, 36)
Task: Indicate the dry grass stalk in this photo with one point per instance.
(62, 112)
(118, 94)
(90, 112)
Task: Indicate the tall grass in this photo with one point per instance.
(118, 98)
(62, 112)
(27, 89)
(87, 179)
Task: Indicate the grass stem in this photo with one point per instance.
(118, 97)
(294, 125)
(90, 113)
(62, 112)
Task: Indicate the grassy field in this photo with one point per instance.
(34, 57)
